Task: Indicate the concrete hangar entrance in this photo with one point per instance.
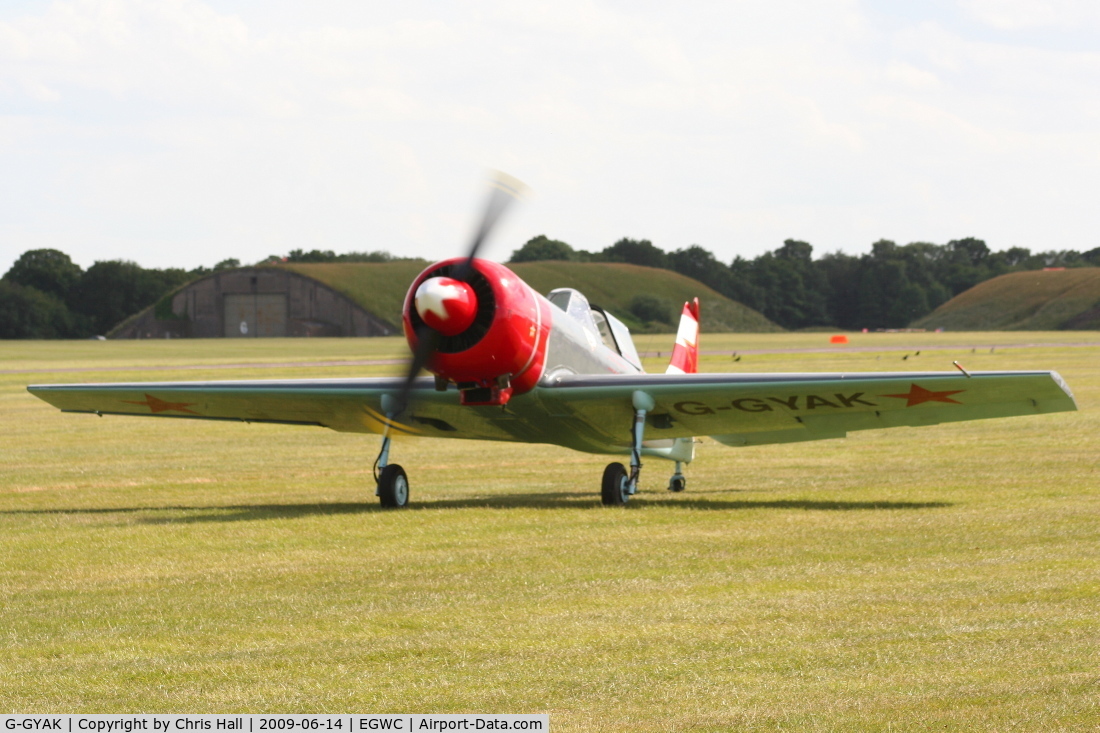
(254, 302)
(254, 314)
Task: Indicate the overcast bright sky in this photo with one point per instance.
(181, 132)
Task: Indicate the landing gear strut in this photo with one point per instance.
(617, 486)
(677, 483)
(392, 484)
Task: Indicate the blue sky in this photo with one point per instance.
(181, 132)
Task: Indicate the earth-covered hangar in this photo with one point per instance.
(254, 302)
(366, 299)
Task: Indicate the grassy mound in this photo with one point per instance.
(1024, 301)
(380, 288)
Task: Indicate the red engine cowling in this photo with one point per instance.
(502, 351)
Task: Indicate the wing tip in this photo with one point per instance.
(1065, 388)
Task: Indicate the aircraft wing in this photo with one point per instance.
(347, 405)
(594, 413)
(755, 409)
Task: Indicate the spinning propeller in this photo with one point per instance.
(448, 305)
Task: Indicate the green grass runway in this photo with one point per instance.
(944, 577)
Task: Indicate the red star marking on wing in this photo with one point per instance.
(158, 405)
(918, 394)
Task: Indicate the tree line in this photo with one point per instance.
(889, 287)
(46, 295)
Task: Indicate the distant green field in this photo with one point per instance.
(945, 577)
(1024, 301)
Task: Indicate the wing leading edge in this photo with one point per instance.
(757, 409)
(347, 405)
(594, 413)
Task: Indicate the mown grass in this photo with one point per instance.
(945, 577)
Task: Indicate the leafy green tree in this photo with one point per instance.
(920, 260)
(964, 264)
(698, 263)
(327, 255)
(649, 308)
(842, 275)
(701, 264)
(794, 250)
(1014, 257)
(794, 293)
(376, 256)
(47, 270)
(1065, 258)
(111, 291)
(28, 313)
(315, 255)
(884, 250)
(881, 279)
(745, 288)
(969, 249)
(910, 304)
(937, 294)
(636, 252)
(541, 248)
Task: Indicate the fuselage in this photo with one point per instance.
(517, 338)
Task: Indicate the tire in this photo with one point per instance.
(393, 487)
(677, 485)
(614, 490)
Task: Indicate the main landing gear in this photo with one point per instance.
(393, 484)
(618, 485)
(616, 489)
(393, 487)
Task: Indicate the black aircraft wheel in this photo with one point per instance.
(615, 490)
(393, 487)
(677, 485)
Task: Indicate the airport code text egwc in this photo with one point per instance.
(270, 723)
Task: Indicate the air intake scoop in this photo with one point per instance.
(446, 305)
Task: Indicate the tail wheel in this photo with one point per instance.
(615, 489)
(393, 487)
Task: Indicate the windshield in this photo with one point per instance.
(576, 305)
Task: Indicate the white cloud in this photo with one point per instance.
(181, 132)
(1028, 14)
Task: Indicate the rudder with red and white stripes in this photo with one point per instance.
(685, 355)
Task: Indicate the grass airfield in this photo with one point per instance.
(941, 577)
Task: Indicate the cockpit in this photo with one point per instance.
(599, 324)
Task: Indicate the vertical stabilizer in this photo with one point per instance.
(685, 355)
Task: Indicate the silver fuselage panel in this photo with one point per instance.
(576, 344)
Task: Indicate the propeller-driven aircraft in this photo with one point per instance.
(509, 364)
